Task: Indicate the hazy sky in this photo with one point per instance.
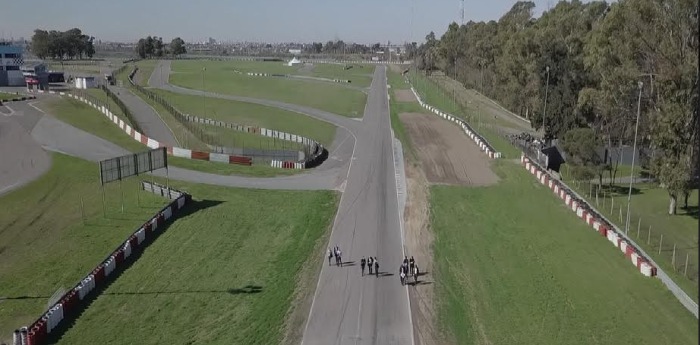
(362, 21)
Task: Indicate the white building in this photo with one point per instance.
(294, 62)
(10, 62)
(85, 82)
(295, 51)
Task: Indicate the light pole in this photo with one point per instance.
(544, 112)
(204, 92)
(634, 150)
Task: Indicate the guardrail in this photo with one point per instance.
(72, 301)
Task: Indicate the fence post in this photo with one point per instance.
(612, 205)
(639, 226)
(604, 200)
(82, 209)
(661, 241)
(673, 259)
(685, 271)
(620, 209)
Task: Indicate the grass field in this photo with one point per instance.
(623, 172)
(44, 243)
(4, 96)
(85, 117)
(532, 273)
(146, 68)
(252, 115)
(648, 213)
(225, 274)
(220, 78)
(90, 120)
(432, 95)
(359, 75)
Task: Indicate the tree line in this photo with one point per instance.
(62, 44)
(588, 60)
(152, 46)
(340, 47)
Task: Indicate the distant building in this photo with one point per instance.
(11, 60)
(35, 74)
(85, 82)
(295, 51)
(294, 62)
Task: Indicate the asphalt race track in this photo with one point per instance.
(348, 308)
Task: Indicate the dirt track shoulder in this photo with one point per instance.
(447, 155)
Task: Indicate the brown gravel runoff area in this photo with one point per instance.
(447, 155)
(405, 95)
(419, 239)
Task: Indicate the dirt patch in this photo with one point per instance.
(418, 243)
(447, 155)
(404, 95)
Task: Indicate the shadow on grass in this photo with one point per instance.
(71, 318)
(420, 282)
(691, 211)
(23, 297)
(621, 190)
(248, 289)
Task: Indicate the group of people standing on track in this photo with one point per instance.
(338, 256)
(408, 266)
(372, 262)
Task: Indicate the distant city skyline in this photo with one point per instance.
(274, 21)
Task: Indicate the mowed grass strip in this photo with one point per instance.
(86, 118)
(252, 115)
(6, 96)
(396, 107)
(225, 274)
(44, 243)
(515, 266)
(220, 78)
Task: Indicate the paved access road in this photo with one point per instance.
(21, 158)
(348, 308)
(150, 122)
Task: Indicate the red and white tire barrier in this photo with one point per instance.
(154, 144)
(287, 164)
(470, 132)
(587, 213)
(37, 333)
